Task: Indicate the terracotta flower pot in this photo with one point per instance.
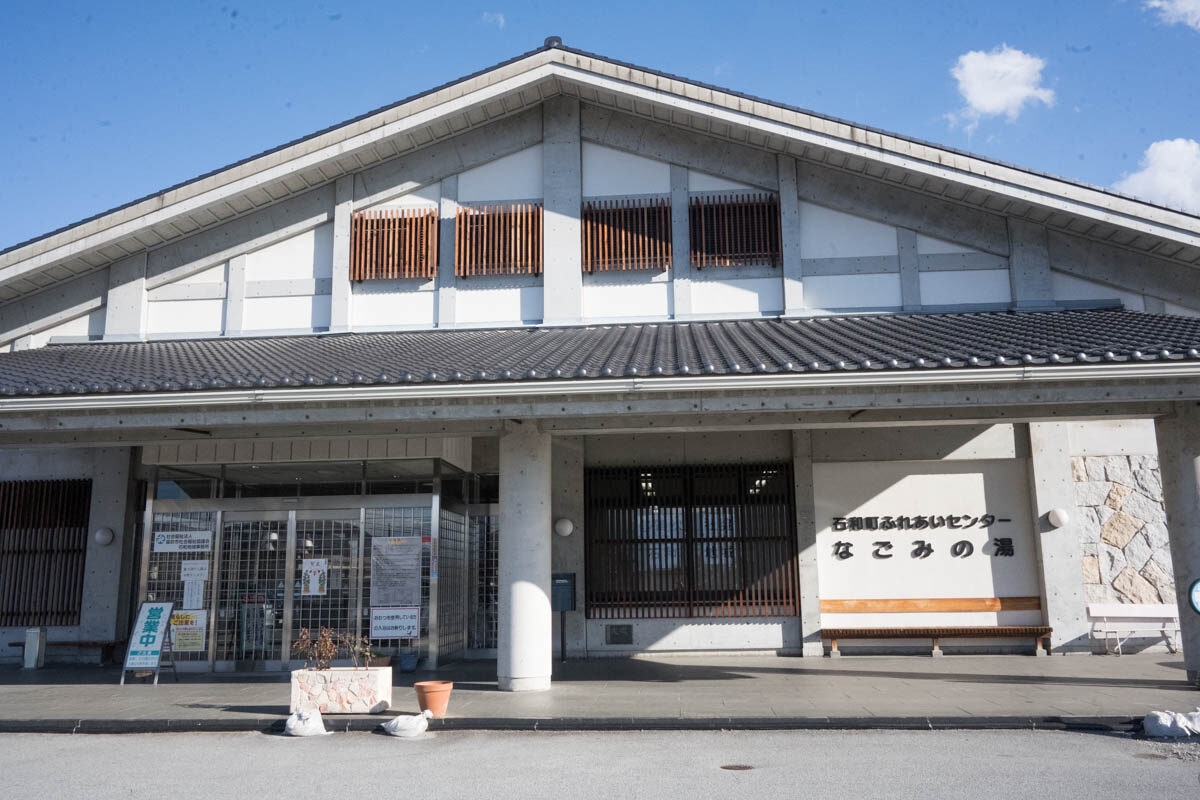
(434, 696)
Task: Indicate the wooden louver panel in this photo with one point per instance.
(734, 230)
(626, 234)
(394, 243)
(43, 542)
(498, 240)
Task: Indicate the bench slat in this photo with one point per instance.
(927, 632)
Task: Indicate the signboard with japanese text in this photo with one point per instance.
(395, 623)
(148, 636)
(396, 572)
(182, 541)
(193, 570)
(891, 530)
(188, 629)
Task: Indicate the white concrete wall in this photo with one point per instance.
(695, 635)
(388, 305)
(1113, 438)
(927, 245)
(488, 301)
(186, 317)
(962, 287)
(704, 182)
(638, 297)
(80, 328)
(609, 172)
(514, 177)
(306, 256)
(825, 233)
(728, 295)
(1069, 287)
(873, 290)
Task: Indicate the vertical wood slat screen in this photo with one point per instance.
(710, 541)
(498, 240)
(734, 230)
(626, 234)
(394, 243)
(43, 543)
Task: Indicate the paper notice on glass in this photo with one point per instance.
(193, 594)
(395, 623)
(196, 570)
(396, 572)
(188, 629)
(316, 576)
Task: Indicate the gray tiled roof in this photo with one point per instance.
(882, 342)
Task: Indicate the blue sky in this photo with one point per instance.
(106, 102)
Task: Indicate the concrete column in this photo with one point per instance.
(1179, 459)
(568, 553)
(1029, 265)
(681, 245)
(562, 177)
(342, 296)
(1155, 305)
(108, 568)
(1060, 553)
(910, 269)
(447, 209)
(524, 643)
(235, 296)
(806, 544)
(126, 306)
(789, 236)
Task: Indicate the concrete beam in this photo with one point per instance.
(676, 146)
(447, 211)
(789, 235)
(905, 208)
(681, 245)
(1029, 265)
(910, 269)
(127, 304)
(47, 308)
(235, 298)
(447, 157)
(341, 297)
(1179, 459)
(273, 223)
(562, 176)
(1126, 269)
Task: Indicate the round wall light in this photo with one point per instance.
(564, 527)
(103, 536)
(1058, 517)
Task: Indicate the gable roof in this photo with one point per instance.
(898, 347)
(528, 79)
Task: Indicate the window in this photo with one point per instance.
(393, 243)
(43, 542)
(702, 541)
(734, 230)
(626, 234)
(498, 240)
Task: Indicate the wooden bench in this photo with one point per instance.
(1111, 620)
(1039, 633)
(106, 647)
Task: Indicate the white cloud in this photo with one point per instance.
(1003, 81)
(493, 18)
(1175, 12)
(1170, 175)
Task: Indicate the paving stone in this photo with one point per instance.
(1148, 481)
(1143, 507)
(1112, 561)
(1117, 495)
(1157, 535)
(1078, 470)
(1135, 588)
(1094, 466)
(1162, 580)
(1091, 569)
(1098, 593)
(1103, 513)
(1120, 528)
(1137, 552)
(1091, 493)
(1163, 559)
(1116, 469)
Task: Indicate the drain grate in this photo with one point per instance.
(736, 767)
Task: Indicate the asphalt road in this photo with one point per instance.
(574, 766)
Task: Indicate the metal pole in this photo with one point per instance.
(289, 591)
(147, 538)
(214, 575)
(435, 515)
(358, 572)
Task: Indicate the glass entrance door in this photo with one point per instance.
(327, 569)
(251, 590)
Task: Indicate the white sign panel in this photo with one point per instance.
(146, 638)
(314, 576)
(182, 541)
(188, 630)
(193, 594)
(196, 570)
(396, 623)
(922, 529)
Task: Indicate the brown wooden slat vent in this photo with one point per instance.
(626, 234)
(703, 541)
(498, 240)
(393, 243)
(43, 543)
(734, 230)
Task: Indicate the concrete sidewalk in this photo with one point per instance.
(1086, 692)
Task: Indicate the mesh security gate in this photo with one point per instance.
(697, 541)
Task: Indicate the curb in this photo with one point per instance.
(362, 724)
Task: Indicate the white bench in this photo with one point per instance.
(1112, 620)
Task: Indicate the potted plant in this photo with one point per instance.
(357, 689)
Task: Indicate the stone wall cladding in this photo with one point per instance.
(1123, 527)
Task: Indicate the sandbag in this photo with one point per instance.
(305, 723)
(1172, 724)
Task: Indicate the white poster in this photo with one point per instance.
(188, 630)
(315, 580)
(146, 639)
(396, 623)
(196, 570)
(182, 541)
(193, 594)
(396, 572)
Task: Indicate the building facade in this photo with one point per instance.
(733, 374)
